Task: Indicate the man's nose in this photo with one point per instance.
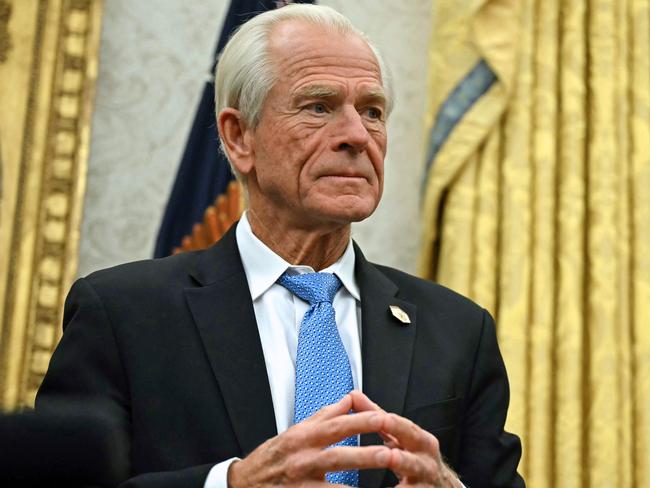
(352, 135)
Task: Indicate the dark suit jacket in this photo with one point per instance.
(173, 346)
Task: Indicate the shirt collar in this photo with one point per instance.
(263, 267)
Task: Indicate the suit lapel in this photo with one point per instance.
(386, 348)
(222, 309)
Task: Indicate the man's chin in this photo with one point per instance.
(347, 215)
(339, 208)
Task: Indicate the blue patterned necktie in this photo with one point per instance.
(323, 373)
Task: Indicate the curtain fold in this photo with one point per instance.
(536, 203)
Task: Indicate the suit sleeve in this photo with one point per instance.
(489, 455)
(87, 366)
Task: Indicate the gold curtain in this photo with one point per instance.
(537, 205)
(48, 67)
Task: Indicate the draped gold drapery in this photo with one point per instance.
(537, 205)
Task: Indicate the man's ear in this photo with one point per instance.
(236, 139)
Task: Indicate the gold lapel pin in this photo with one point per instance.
(400, 314)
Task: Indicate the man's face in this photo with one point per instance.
(318, 150)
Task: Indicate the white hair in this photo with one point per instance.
(245, 73)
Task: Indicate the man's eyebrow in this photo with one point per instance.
(376, 95)
(372, 95)
(316, 91)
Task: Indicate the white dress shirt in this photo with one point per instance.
(279, 313)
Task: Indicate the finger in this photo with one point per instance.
(343, 406)
(320, 484)
(415, 467)
(355, 401)
(392, 444)
(342, 458)
(409, 435)
(361, 403)
(322, 432)
(389, 440)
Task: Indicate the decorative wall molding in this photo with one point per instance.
(43, 180)
(5, 40)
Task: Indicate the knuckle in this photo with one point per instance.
(432, 470)
(395, 421)
(330, 457)
(413, 465)
(433, 443)
(334, 426)
(394, 417)
(288, 441)
(413, 427)
(319, 413)
(294, 468)
(293, 438)
(327, 408)
(273, 449)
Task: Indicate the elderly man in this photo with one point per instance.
(243, 365)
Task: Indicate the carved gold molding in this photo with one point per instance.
(48, 82)
(5, 40)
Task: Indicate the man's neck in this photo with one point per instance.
(316, 248)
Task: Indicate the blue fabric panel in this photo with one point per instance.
(203, 173)
(477, 82)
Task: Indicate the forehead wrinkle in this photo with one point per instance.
(284, 48)
(352, 58)
(358, 66)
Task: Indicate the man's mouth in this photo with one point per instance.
(345, 176)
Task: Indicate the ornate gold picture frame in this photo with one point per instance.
(48, 68)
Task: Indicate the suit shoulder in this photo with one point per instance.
(148, 273)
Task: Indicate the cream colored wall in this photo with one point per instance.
(153, 60)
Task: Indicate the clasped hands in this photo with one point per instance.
(298, 456)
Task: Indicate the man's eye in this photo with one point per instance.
(318, 108)
(374, 113)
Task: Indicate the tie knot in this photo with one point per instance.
(312, 287)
